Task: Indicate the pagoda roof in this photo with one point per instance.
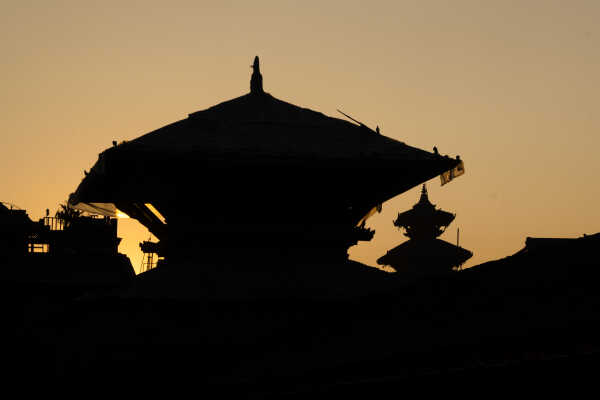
(257, 129)
(435, 253)
(259, 125)
(423, 211)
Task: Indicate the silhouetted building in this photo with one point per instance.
(16, 229)
(255, 180)
(68, 247)
(424, 254)
(542, 255)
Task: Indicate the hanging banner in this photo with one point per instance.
(453, 173)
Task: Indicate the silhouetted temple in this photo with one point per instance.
(424, 254)
(255, 194)
(255, 179)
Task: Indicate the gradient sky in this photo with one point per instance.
(510, 86)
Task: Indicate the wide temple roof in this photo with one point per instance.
(257, 129)
(260, 125)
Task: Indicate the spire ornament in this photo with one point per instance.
(256, 85)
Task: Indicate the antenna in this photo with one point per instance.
(11, 205)
(457, 241)
(357, 121)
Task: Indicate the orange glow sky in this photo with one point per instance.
(510, 86)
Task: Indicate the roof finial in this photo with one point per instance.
(256, 85)
(424, 197)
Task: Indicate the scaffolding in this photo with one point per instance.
(149, 261)
(151, 255)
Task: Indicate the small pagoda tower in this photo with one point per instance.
(423, 253)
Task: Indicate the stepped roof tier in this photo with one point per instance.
(423, 220)
(425, 257)
(254, 170)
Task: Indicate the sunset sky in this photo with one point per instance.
(513, 87)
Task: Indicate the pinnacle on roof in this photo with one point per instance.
(424, 199)
(256, 85)
(423, 220)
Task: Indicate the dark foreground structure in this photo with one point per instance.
(79, 253)
(529, 321)
(273, 308)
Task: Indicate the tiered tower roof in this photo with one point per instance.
(423, 220)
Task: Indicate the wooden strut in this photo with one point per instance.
(357, 121)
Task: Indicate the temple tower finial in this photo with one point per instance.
(424, 197)
(256, 85)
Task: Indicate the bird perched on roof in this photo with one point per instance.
(435, 150)
(114, 143)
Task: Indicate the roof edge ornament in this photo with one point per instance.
(256, 84)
